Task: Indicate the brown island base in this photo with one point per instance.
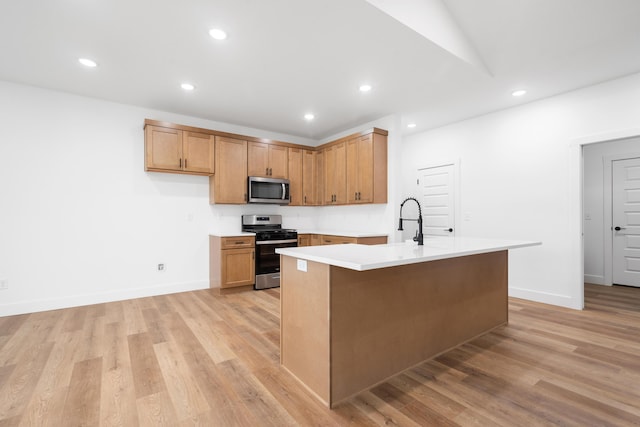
(343, 331)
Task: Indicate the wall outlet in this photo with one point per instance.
(4, 284)
(160, 267)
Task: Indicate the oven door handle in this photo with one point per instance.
(274, 242)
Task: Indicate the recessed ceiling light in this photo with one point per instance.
(519, 92)
(187, 86)
(365, 88)
(87, 62)
(217, 34)
(309, 116)
(411, 125)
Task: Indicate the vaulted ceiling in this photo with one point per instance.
(430, 61)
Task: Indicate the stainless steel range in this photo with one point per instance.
(269, 236)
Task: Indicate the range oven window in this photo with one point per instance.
(267, 260)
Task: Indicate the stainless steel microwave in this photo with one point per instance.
(268, 190)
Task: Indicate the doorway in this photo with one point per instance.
(602, 160)
(625, 212)
(437, 195)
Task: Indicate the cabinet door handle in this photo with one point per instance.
(185, 163)
(245, 197)
(270, 172)
(305, 199)
(240, 243)
(180, 162)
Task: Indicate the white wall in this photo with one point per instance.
(81, 222)
(597, 230)
(520, 179)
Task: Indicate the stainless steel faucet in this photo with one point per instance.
(419, 237)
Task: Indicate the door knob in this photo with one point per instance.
(620, 228)
(450, 230)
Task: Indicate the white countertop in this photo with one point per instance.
(343, 233)
(369, 257)
(230, 234)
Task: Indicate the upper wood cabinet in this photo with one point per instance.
(198, 152)
(335, 174)
(229, 184)
(350, 170)
(367, 169)
(295, 176)
(178, 151)
(267, 160)
(312, 168)
(360, 169)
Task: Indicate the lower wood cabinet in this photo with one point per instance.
(328, 239)
(231, 261)
(304, 239)
(337, 240)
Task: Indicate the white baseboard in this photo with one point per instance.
(36, 305)
(595, 279)
(546, 298)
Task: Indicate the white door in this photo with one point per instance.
(626, 221)
(437, 196)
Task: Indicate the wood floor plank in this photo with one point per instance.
(155, 325)
(133, 318)
(402, 401)
(50, 394)
(17, 389)
(182, 386)
(156, 410)
(210, 339)
(75, 318)
(90, 345)
(118, 396)
(302, 405)
(199, 358)
(38, 328)
(381, 412)
(592, 410)
(114, 312)
(82, 406)
(259, 402)
(225, 403)
(9, 325)
(147, 376)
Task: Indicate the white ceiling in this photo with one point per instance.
(284, 58)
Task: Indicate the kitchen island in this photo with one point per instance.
(354, 315)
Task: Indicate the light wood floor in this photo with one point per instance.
(197, 358)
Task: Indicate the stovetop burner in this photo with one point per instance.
(267, 227)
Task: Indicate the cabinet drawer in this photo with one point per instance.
(237, 242)
(337, 240)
